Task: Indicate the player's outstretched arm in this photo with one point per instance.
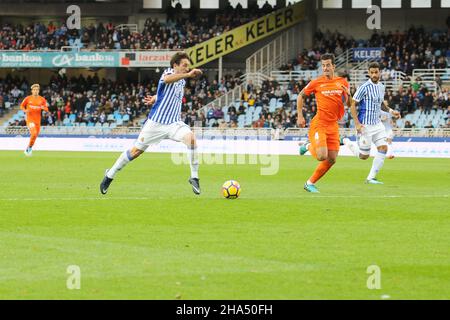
(301, 122)
(171, 78)
(395, 113)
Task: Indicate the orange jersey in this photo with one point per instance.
(33, 107)
(330, 97)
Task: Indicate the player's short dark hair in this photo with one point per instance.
(374, 65)
(327, 56)
(177, 57)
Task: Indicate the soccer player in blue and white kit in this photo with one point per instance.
(370, 98)
(164, 121)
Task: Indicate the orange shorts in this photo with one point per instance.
(323, 134)
(34, 127)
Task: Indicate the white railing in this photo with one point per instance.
(299, 132)
(226, 99)
(273, 55)
(396, 81)
(430, 85)
(415, 132)
(358, 76)
(344, 60)
(431, 74)
(256, 79)
(131, 26)
(285, 77)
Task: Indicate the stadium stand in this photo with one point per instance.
(178, 32)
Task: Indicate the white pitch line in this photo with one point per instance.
(155, 198)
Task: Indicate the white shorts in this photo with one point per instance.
(375, 134)
(389, 133)
(154, 132)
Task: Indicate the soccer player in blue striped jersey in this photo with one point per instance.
(164, 121)
(370, 98)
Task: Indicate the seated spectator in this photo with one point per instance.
(218, 113)
(260, 122)
(241, 108)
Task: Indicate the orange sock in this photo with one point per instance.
(320, 171)
(34, 132)
(32, 141)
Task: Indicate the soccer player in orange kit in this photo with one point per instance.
(330, 92)
(33, 106)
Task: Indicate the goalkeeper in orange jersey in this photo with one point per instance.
(33, 106)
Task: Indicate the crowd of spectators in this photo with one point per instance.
(91, 100)
(181, 30)
(405, 51)
(406, 100)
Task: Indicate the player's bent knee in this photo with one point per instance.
(383, 149)
(135, 152)
(190, 140)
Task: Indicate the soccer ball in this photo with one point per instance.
(231, 189)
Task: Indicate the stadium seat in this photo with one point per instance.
(72, 117)
(113, 126)
(119, 122)
(272, 104)
(126, 118)
(110, 118)
(90, 124)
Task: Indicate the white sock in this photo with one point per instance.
(123, 160)
(390, 151)
(377, 164)
(193, 161)
(353, 146)
(309, 183)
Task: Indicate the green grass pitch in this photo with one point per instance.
(152, 238)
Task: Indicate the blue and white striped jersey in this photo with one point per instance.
(167, 108)
(370, 97)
